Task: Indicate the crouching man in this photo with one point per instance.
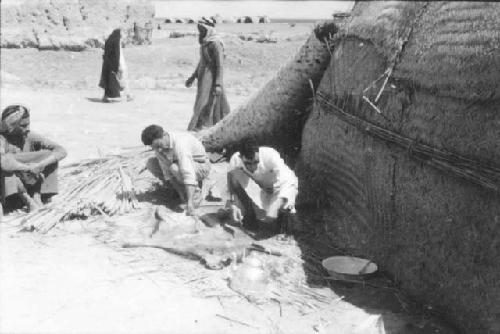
(28, 162)
(180, 159)
(260, 184)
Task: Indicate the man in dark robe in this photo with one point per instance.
(211, 103)
(28, 162)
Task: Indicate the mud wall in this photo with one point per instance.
(436, 233)
(68, 24)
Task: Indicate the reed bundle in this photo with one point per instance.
(103, 186)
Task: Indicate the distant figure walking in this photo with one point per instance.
(114, 70)
(211, 103)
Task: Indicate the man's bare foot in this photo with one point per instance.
(213, 195)
(38, 199)
(197, 198)
(30, 203)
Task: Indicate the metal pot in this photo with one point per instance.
(250, 277)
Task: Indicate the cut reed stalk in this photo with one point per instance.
(102, 186)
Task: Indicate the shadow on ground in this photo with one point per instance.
(95, 99)
(388, 307)
(379, 295)
(158, 194)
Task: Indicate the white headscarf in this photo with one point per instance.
(212, 35)
(12, 116)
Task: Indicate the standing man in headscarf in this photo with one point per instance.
(114, 74)
(28, 162)
(211, 103)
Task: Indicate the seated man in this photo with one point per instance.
(28, 166)
(180, 159)
(260, 185)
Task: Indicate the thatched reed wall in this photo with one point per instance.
(437, 233)
(276, 113)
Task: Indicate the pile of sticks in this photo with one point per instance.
(103, 186)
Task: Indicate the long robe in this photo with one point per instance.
(110, 72)
(209, 108)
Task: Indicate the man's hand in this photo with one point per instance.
(36, 168)
(189, 82)
(190, 210)
(218, 90)
(235, 213)
(285, 205)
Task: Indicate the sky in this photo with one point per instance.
(277, 9)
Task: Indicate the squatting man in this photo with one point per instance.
(181, 160)
(260, 184)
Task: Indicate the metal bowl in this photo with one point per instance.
(349, 268)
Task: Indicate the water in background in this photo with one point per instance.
(278, 11)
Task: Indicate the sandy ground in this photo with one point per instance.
(78, 278)
(88, 128)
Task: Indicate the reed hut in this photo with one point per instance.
(264, 19)
(248, 19)
(399, 157)
(405, 168)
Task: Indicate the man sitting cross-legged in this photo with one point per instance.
(180, 159)
(260, 184)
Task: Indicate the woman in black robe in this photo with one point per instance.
(113, 74)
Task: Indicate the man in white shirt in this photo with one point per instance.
(260, 184)
(180, 159)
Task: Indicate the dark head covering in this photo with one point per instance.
(112, 50)
(208, 22)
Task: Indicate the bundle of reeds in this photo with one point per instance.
(103, 186)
